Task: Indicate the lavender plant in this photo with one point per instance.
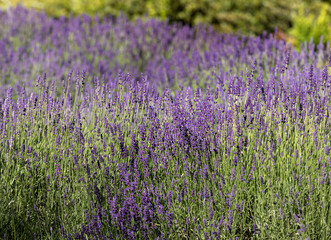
(221, 137)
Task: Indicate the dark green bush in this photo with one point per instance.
(249, 17)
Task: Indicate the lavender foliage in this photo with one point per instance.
(117, 130)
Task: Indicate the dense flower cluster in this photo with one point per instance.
(221, 137)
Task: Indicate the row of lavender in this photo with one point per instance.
(239, 148)
(171, 55)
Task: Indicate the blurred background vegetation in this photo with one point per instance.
(297, 21)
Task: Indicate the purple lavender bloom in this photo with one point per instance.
(230, 220)
(254, 229)
(205, 172)
(223, 180)
(262, 180)
(302, 229)
(325, 77)
(277, 196)
(205, 192)
(233, 174)
(170, 199)
(296, 218)
(105, 114)
(235, 161)
(240, 207)
(327, 150)
(242, 174)
(35, 208)
(98, 194)
(286, 61)
(281, 213)
(211, 212)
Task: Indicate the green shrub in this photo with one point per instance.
(249, 17)
(312, 23)
(65, 7)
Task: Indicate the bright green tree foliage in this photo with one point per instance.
(312, 24)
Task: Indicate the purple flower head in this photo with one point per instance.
(235, 161)
(9, 95)
(281, 213)
(233, 174)
(230, 220)
(254, 229)
(205, 192)
(86, 215)
(205, 172)
(170, 199)
(262, 180)
(325, 76)
(286, 60)
(262, 160)
(240, 207)
(98, 194)
(242, 173)
(223, 180)
(277, 195)
(35, 208)
(211, 211)
(302, 229)
(311, 76)
(327, 150)
(142, 132)
(296, 218)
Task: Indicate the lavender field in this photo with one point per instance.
(111, 129)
